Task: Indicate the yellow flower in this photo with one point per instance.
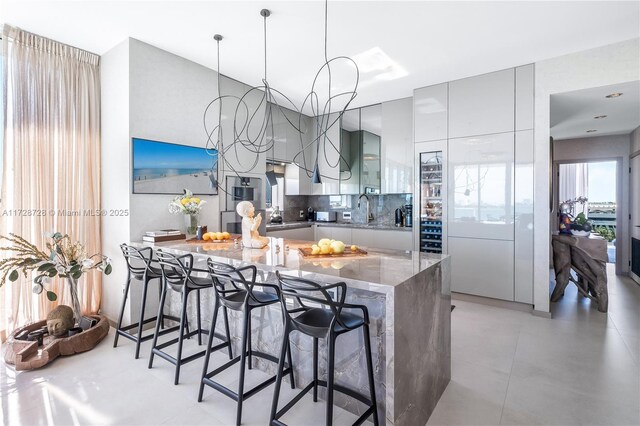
(184, 201)
(195, 200)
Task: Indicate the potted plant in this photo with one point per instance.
(581, 226)
(62, 258)
(190, 207)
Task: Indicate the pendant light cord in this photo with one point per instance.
(326, 12)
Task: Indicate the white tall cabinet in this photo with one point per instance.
(396, 150)
(486, 123)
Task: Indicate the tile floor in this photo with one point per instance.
(581, 367)
(509, 367)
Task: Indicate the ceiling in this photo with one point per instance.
(572, 113)
(398, 45)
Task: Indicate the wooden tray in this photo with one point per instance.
(26, 355)
(230, 240)
(306, 252)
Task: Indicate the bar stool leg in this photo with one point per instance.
(315, 369)
(280, 369)
(367, 348)
(226, 330)
(183, 321)
(161, 315)
(125, 296)
(145, 280)
(157, 330)
(243, 359)
(198, 318)
(209, 344)
(290, 360)
(249, 364)
(330, 368)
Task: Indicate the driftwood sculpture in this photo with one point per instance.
(588, 258)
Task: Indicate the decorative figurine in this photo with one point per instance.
(565, 218)
(250, 224)
(60, 321)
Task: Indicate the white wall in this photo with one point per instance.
(602, 148)
(634, 188)
(152, 94)
(611, 64)
(635, 141)
(115, 171)
(168, 96)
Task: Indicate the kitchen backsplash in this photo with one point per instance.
(383, 207)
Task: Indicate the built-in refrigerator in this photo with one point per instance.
(430, 213)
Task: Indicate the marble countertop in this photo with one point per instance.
(380, 270)
(305, 224)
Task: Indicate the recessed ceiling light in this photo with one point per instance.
(598, 117)
(614, 95)
(591, 131)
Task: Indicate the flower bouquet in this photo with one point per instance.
(190, 207)
(62, 258)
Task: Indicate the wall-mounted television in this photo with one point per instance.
(167, 168)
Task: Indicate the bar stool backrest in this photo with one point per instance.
(176, 270)
(138, 259)
(229, 280)
(303, 290)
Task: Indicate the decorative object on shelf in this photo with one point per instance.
(250, 224)
(190, 207)
(328, 113)
(65, 259)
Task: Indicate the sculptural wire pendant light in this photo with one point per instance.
(324, 120)
(253, 133)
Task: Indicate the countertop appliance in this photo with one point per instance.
(311, 215)
(326, 217)
(408, 215)
(399, 217)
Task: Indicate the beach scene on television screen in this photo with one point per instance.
(165, 168)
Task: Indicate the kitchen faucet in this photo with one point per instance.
(369, 214)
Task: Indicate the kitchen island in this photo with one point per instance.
(409, 301)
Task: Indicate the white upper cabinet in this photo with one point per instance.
(524, 97)
(397, 147)
(239, 158)
(430, 106)
(280, 125)
(480, 187)
(482, 105)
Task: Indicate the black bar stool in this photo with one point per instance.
(327, 324)
(142, 267)
(234, 291)
(177, 275)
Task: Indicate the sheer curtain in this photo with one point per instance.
(51, 161)
(574, 182)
